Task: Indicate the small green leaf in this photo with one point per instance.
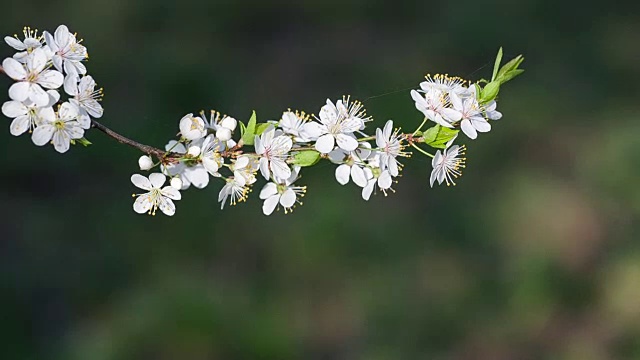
(84, 142)
(438, 136)
(510, 66)
(510, 75)
(243, 128)
(306, 158)
(250, 132)
(260, 128)
(496, 66)
(489, 92)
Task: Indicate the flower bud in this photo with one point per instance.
(223, 134)
(194, 151)
(176, 183)
(145, 162)
(229, 123)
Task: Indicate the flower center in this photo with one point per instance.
(59, 125)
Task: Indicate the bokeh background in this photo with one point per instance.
(534, 255)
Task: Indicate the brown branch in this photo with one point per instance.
(160, 154)
(2, 70)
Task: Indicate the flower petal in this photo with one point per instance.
(14, 69)
(346, 142)
(268, 190)
(385, 181)
(171, 193)
(325, 143)
(61, 141)
(42, 134)
(343, 173)
(141, 182)
(288, 199)
(14, 109)
(167, 206)
(270, 204)
(15, 43)
(468, 129)
(20, 125)
(19, 91)
(358, 176)
(198, 176)
(38, 95)
(368, 189)
(280, 169)
(157, 180)
(142, 204)
(313, 130)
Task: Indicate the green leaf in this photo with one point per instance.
(260, 128)
(510, 75)
(243, 128)
(84, 142)
(496, 66)
(438, 136)
(489, 92)
(250, 132)
(510, 66)
(306, 158)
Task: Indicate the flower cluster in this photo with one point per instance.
(41, 66)
(214, 146)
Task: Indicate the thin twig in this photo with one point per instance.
(160, 154)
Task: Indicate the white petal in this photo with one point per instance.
(451, 115)
(264, 168)
(280, 169)
(385, 181)
(468, 129)
(367, 190)
(38, 95)
(242, 162)
(42, 134)
(393, 166)
(61, 141)
(71, 85)
(343, 173)
(50, 79)
(142, 204)
(46, 115)
(67, 111)
(288, 198)
(358, 176)
(351, 125)
(20, 125)
(37, 61)
(328, 113)
(313, 130)
(15, 43)
(19, 91)
(481, 125)
(268, 190)
(270, 204)
(347, 142)
(54, 96)
(198, 176)
(62, 36)
(14, 69)
(210, 165)
(14, 109)
(171, 193)
(141, 182)
(157, 180)
(432, 179)
(388, 129)
(455, 100)
(167, 206)
(325, 143)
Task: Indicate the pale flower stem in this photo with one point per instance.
(422, 151)
(420, 127)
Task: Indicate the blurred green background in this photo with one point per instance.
(534, 255)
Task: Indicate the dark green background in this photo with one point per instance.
(534, 255)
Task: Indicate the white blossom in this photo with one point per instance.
(233, 190)
(192, 127)
(283, 193)
(222, 125)
(189, 170)
(85, 97)
(176, 183)
(389, 148)
(444, 84)
(377, 177)
(67, 51)
(32, 77)
(472, 121)
(145, 162)
(210, 155)
(351, 164)
(434, 105)
(244, 170)
(337, 124)
(156, 197)
(61, 131)
(273, 151)
(293, 123)
(27, 115)
(447, 165)
(25, 47)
